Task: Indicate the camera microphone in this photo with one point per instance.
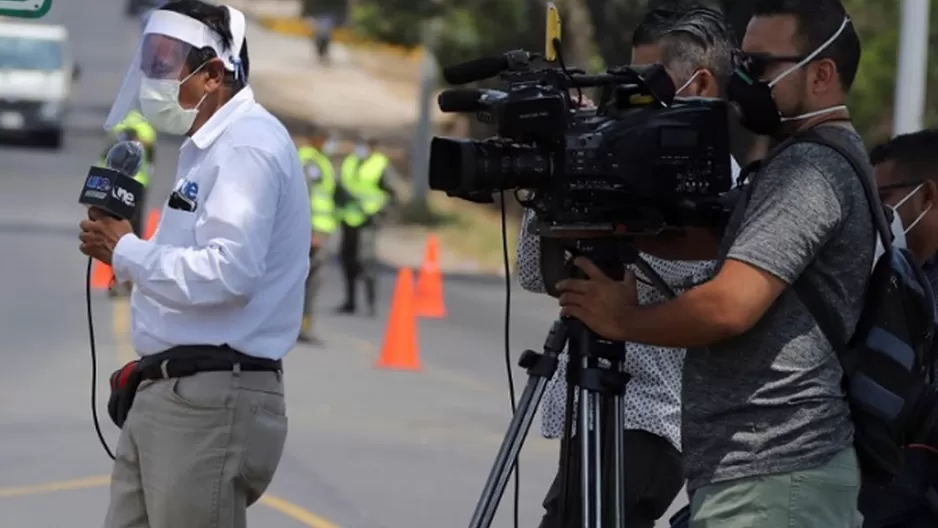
(486, 67)
(113, 189)
(467, 99)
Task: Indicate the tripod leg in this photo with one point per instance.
(590, 433)
(596, 456)
(508, 453)
(618, 456)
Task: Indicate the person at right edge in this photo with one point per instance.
(766, 427)
(363, 194)
(906, 175)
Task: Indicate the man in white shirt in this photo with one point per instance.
(694, 43)
(218, 291)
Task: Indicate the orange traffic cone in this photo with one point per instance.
(101, 275)
(399, 350)
(153, 220)
(430, 282)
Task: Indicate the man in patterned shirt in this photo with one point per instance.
(694, 43)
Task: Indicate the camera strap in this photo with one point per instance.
(810, 297)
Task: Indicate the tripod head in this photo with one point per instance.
(612, 255)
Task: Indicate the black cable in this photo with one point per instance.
(511, 377)
(94, 362)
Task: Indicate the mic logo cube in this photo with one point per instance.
(97, 187)
(124, 196)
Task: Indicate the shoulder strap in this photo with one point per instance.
(809, 296)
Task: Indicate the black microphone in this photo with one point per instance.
(113, 189)
(468, 99)
(479, 69)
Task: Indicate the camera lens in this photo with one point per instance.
(464, 166)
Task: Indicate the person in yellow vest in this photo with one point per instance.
(314, 153)
(365, 194)
(134, 128)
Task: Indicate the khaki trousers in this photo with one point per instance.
(823, 497)
(195, 452)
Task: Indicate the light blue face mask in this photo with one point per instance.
(361, 151)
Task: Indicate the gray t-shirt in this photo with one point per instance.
(770, 400)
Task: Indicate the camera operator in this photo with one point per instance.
(767, 431)
(906, 172)
(693, 42)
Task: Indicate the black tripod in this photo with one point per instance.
(599, 383)
(596, 368)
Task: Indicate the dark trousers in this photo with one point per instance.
(313, 283)
(358, 260)
(654, 476)
(904, 502)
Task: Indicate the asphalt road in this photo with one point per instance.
(368, 448)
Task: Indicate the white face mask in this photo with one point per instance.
(159, 104)
(899, 231)
(806, 60)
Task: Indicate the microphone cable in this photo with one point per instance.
(94, 362)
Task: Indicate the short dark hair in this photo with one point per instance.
(817, 21)
(217, 19)
(914, 154)
(693, 35)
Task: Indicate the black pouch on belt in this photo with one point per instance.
(124, 383)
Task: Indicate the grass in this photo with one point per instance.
(468, 230)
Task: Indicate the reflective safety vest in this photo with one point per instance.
(146, 134)
(362, 180)
(322, 190)
(135, 120)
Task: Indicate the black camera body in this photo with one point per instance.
(640, 162)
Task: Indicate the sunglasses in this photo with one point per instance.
(757, 63)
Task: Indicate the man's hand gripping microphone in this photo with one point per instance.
(113, 191)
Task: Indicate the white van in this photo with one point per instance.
(36, 75)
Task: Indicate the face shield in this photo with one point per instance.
(159, 66)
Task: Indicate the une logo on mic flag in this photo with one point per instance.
(25, 8)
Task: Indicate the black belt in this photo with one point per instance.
(183, 361)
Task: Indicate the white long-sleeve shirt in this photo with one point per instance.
(231, 271)
(653, 395)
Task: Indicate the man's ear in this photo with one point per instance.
(214, 72)
(930, 194)
(706, 84)
(825, 76)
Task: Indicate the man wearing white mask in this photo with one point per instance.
(905, 173)
(767, 431)
(906, 169)
(694, 43)
(218, 290)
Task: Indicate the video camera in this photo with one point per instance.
(639, 163)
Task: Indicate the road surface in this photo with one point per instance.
(367, 448)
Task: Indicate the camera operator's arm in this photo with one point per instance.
(792, 212)
(529, 256)
(695, 243)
